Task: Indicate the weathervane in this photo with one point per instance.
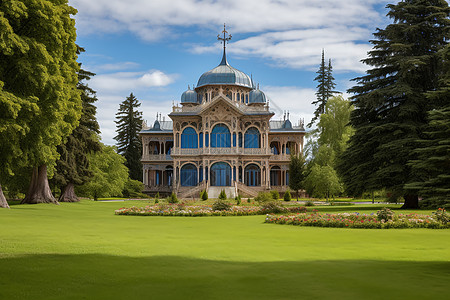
(224, 39)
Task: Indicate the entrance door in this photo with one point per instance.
(220, 174)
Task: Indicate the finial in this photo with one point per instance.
(288, 115)
(225, 40)
(189, 87)
(258, 86)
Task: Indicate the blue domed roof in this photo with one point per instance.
(189, 96)
(287, 124)
(256, 96)
(224, 74)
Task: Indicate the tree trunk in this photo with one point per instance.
(68, 194)
(3, 202)
(411, 201)
(39, 190)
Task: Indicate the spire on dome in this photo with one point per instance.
(225, 40)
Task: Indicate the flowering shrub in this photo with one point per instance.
(442, 216)
(385, 214)
(219, 204)
(199, 210)
(357, 220)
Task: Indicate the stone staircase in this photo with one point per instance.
(214, 191)
(245, 190)
(191, 191)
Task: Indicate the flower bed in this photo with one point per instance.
(357, 220)
(200, 210)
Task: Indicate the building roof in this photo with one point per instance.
(225, 74)
(189, 96)
(160, 127)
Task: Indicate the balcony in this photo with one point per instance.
(220, 151)
(280, 157)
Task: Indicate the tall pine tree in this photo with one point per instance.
(390, 100)
(325, 88)
(129, 123)
(73, 166)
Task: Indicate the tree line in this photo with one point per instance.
(48, 126)
(393, 134)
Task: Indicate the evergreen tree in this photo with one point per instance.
(390, 103)
(38, 76)
(129, 124)
(325, 88)
(73, 166)
(297, 167)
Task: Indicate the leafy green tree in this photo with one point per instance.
(39, 70)
(109, 174)
(322, 181)
(287, 196)
(390, 100)
(297, 168)
(129, 124)
(73, 166)
(325, 88)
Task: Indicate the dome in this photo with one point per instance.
(287, 124)
(156, 126)
(189, 96)
(224, 74)
(256, 96)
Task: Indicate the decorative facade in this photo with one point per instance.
(221, 137)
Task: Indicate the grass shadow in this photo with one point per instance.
(172, 277)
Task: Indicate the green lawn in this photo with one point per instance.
(83, 251)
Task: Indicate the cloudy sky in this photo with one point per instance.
(156, 48)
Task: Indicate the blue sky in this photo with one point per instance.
(156, 48)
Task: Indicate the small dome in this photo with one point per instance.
(256, 96)
(189, 96)
(156, 126)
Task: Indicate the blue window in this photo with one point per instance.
(251, 138)
(201, 174)
(287, 177)
(189, 138)
(240, 140)
(188, 175)
(200, 137)
(252, 175)
(220, 174)
(234, 139)
(207, 140)
(220, 137)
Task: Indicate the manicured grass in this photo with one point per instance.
(84, 251)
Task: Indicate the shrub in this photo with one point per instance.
(132, 188)
(173, 198)
(287, 196)
(272, 207)
(249, 200)
(263, 197)
(221, 205)
(156, 201)
(442, 216)
(204, 195)
(238, 200)
(385, 214)
(275, 195)
(157, 196)
(309, 203)
(222, 195)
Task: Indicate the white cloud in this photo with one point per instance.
(293, 99)
(130, 81)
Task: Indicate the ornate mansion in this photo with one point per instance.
(221, 137)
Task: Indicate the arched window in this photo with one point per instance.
(252, 175)
(188, 175)
(200, 137)
(220, 174)
(275, 148)
(189, 138)
(220, 136)
(251, 138)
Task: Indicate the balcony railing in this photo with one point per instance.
(280, 157)
(220, 151)
(153, 157)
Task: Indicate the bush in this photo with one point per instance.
(434, 203)
(309, 203)
(204, 195)
(263, 197)
(156, 200)
(275, 195)
(249, 200)
(287, 196)
(385, 214)
(173, 198)
(272, 207)
(157, 196)
(222, 195)
(221, 205)
(132, 188)
(238, 200)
